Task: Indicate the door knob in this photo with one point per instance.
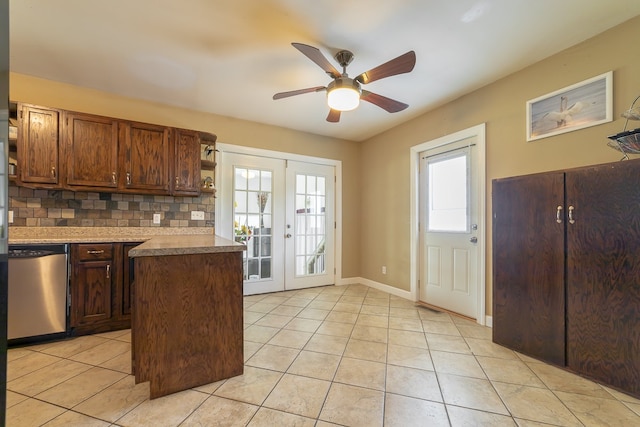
(474, 239)
(288, 235)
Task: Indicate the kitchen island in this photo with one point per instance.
(187, 324)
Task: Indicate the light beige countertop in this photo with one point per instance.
(185, 245)
(34, 235)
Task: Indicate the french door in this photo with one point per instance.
(283, 211)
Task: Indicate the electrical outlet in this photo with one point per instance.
(156, 218)
(384, 269)
(197, 215)
(10, 217)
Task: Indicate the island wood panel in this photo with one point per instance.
(603, 274)
(528, 266)
(187, 320)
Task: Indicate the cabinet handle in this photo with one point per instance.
(113, 178)
(96, 252)
(128, 178)
(108, 271)
(559, 214)
(571, 219)
(53, 171)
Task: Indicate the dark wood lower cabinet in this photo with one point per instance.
(603, 274)
(100, 287)
(528, 260)
(566, 267)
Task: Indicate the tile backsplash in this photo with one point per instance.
(48, 208)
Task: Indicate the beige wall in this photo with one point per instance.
(232, 131)
(501, 105)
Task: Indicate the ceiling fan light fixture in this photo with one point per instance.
(343, 94)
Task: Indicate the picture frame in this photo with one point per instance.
(584, 104)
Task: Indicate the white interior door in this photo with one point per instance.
(283, 211)
(449, 230)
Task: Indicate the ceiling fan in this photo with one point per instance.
(345, 93)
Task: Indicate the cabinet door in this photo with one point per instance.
(91, 298)
(603, 274)
(528, 266)
(186, 180)
(145, 156)
(38, 145)
(92, 150)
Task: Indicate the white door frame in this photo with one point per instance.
(479, 133)
(250, 151)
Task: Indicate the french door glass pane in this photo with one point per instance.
(448, 194)
(310, 225)
(252, 214)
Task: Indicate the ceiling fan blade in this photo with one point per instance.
(334, 116)
(316, 56)
(388, 104)
(281, 95)
(401, 64)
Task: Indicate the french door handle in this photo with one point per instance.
(473, 239)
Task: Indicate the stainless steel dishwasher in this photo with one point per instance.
(38, 292)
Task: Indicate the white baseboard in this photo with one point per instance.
(488, 322)
(376, 285)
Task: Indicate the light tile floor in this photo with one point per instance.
(347, 355)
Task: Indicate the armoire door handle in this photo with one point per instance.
(559, 214)
(571, 218)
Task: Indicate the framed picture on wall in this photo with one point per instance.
(574, 107)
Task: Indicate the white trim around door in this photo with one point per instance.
(479, 133)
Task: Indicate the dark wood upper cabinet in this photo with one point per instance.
(144, 157)
(85, 152)
(38, 145)
(528, 264)
(91, 155)
(186, 167)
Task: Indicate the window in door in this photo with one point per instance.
(310, 226)
(252, 218)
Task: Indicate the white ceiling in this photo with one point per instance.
(229, 57)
